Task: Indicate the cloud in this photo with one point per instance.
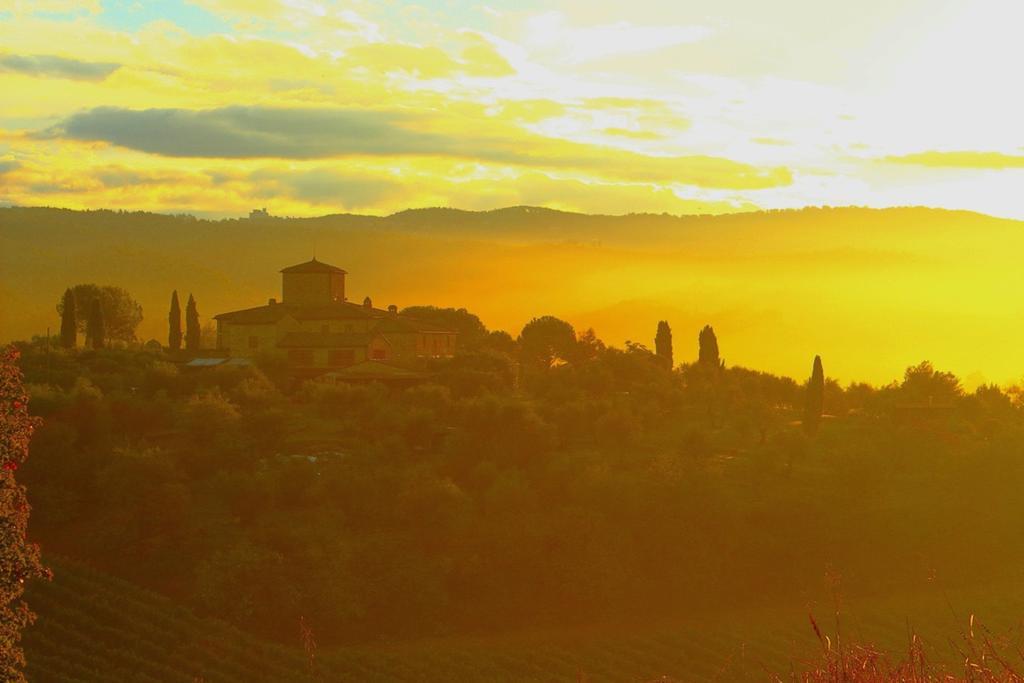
(314, 133)
(977, 160)
(633, 134)
(56, 67)
(550, 35)
(324, 186)
(53, 6)
(479, 58)
(249, 132)
(7, 165)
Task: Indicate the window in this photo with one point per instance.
(379, 354)
(302, 357)
(254, 342)
(341, 357)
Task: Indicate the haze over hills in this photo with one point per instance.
(873, 290)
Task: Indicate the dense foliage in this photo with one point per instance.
(110, 307)
(553, 481)
(174, 323)
(68, 320)
(193, 334)
(19, 560)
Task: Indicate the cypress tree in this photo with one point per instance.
(708, 347)
(192, 332)
(96, 331)
(663, 343)
(174, 323)
(815, 398)
(68, 322)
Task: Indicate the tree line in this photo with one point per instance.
(108, 313)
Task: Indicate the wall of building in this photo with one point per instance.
(312, 289)
(436, 344)
(236, 339)
(335, 326)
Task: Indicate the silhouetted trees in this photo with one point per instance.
(923, 385)
(708, 347)
(193, 333)
(96, 326)
(174, 323)
(546, 340)
(471, 331)
(121, 313)
(815, 398)
(537, 481)
(663, 343)
(68, 324)
(19, 560)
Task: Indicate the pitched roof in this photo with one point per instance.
(271, 313)
(373, 369)
(313, 266)
(205, 362)
(331, 340)
(268, 314)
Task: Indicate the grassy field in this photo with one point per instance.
(93, 628)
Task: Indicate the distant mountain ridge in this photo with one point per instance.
(799, 282)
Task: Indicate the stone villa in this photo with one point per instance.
(320, 331)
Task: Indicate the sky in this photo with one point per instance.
(307, 107)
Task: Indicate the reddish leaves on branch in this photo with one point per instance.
(19, 560)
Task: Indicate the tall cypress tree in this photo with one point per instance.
(174, 323)
(708, 351)
(96, 331)
(68, 322)
(663, 343)
(815, 398)
(192, 332)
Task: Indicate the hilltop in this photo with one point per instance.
(830, 281)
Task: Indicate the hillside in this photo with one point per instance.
(93, 628)
(418, 546)
(904, 281)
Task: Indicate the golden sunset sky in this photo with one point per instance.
(310, 107)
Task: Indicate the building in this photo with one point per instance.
(318, 330)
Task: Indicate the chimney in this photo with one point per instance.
(367, 303)
(271, 301)
(393, 309)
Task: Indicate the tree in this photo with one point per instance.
(174, 323)
(19, 560)
(470, 330)
(121, 313)
(193, 333)
(96, 330)
(815, 398)
(708, 342)
(68, 324)
(546, 340)
(923, 385)
(663, 343)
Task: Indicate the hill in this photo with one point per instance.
(904, 282)
(93, 628)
